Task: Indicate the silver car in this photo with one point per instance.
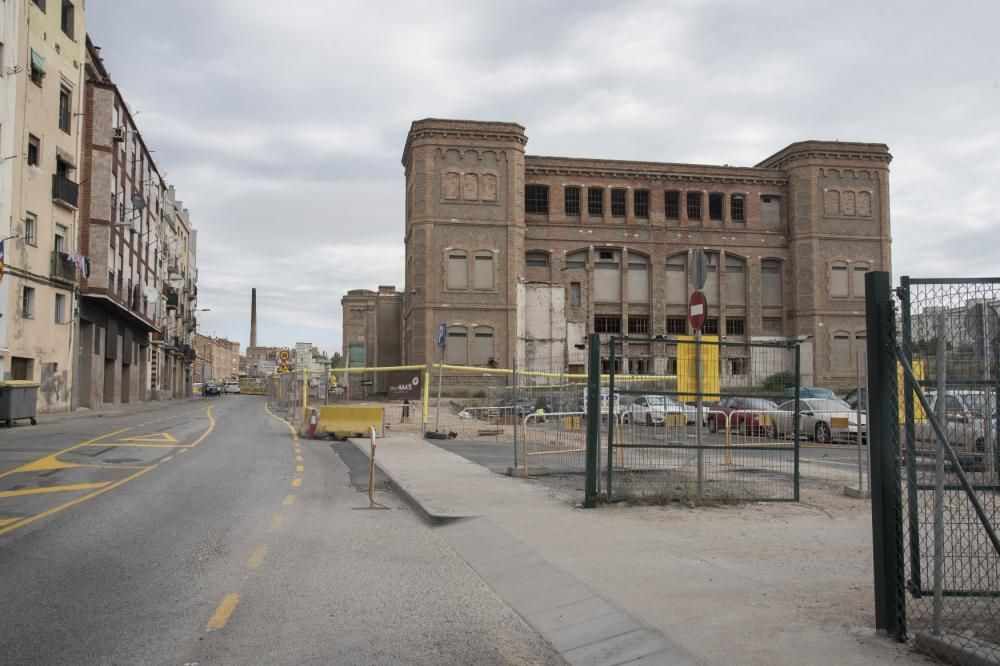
(822, 419)
(653, 410)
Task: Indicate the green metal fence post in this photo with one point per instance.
(798, 422)
(883, 413)
(593, 419)
(910, 432)
(611, 410)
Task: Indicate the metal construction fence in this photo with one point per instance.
(935, 485)
(718, 423)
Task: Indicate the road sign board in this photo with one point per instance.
(442, 334)
(283, 367)
(367, 382)
(699, 269)
(697, 309)
(283, 355)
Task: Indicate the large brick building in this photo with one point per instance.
(524, 255)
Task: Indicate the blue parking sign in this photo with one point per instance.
(442, 334)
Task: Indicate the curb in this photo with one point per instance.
(154, 405)
(430, 515)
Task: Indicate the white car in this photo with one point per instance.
(232, 387)
(820, 418)
(653, 410)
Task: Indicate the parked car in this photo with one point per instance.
(745, 415)
(820, 418)
(852, 399)
(232, 387)
(966, 414)
(810, 392)
(653, 410)
(211, 388)
(197, 388)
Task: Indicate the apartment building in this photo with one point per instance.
(43, 53)
(215, 358)
(176, 336)
(523, 256)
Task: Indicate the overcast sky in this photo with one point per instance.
(282, 123)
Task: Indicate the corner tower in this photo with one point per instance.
(464, 237)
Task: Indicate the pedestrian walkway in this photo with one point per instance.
(777, 583)
(119, 410)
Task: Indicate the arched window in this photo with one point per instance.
(638, 278)
(536, 259)
(677, 279)
(840, 350)
(576, 259)
(736, 280)
(838, 279)
(858, 271)
(484, 270)
(608, 276)
(456, 351)
(482, 345)
(770, 282)
(458, 269)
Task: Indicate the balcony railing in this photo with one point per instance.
(63, 269)
(172, 300)
(64, 191)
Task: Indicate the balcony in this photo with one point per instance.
(63, 269)
(172, 300)
(64, 191)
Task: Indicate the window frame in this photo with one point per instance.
(836, 266)
(59, 309)
(638, 324)
(716, 206)
(27, 302)
(452, 258)
(30, 229)
(484, 255)
(738, 213)
(640, 203)
(571, 199)
(736, 326)
(595, 201)
(619, 202)
(672, 327)
(672, 209)
(608, 322)
(693, 203)
(534, 256)
(71, 32)
(34, 155)
(536, 199)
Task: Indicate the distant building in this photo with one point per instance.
(523, 256)
(372, 332)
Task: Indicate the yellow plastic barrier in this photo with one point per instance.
(345, 420)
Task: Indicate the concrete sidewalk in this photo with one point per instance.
(132, 408)
(751, 584)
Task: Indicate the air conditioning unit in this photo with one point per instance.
(118, 134)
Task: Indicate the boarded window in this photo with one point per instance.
(595, 202)
(676, 325)
(576, 259)
(571, 196)
(840, 351)
(677, 279)
(640, 203)
(847, 204)
(618, 202)
(638, 280)
(858, 271)
(694, 205)
(456, 351)
(470, 187)
(831, 203)
(458, 277)
(736, 281)
(772, 326)
(838, 279)
(770, 209)
(607, 282)
(575, 294)
(672, 205)
(482, 345)
(864, 204)
(452, 185)
(484, 270)
(715, 206)
(860, 347)
(711, 288)
(537, 259)
(489, 188)
(770, 282)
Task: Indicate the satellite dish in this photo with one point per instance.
(175, 280)
(138, 203)
(150, 294)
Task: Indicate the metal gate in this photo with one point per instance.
(932, 349)
(699, 420)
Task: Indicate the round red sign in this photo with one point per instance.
(697, 309)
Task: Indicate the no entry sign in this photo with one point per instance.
(697, 309)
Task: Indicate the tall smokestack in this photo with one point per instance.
(253, 317)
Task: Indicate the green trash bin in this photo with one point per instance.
(18, 400)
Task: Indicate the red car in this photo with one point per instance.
(745, 416)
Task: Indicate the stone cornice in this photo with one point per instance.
(829, 151)
(653, 172)
(462, 130)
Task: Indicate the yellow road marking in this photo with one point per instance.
(152, 437)
(78, 500)
(183, 451)
(296, 483)
(222, 613)
(50, 461)
(168, 459)
(52, 489)
(257, 557)
(289, 500)
(300, 468)
(211, 427)
(276, 522)
(298, 458)
(124, 444)
(8, 521)
(295, 433)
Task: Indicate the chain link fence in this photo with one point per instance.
(935, 485)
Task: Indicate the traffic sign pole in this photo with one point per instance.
(442, 341)
(697, 312)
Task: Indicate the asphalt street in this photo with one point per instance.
(205, 532)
